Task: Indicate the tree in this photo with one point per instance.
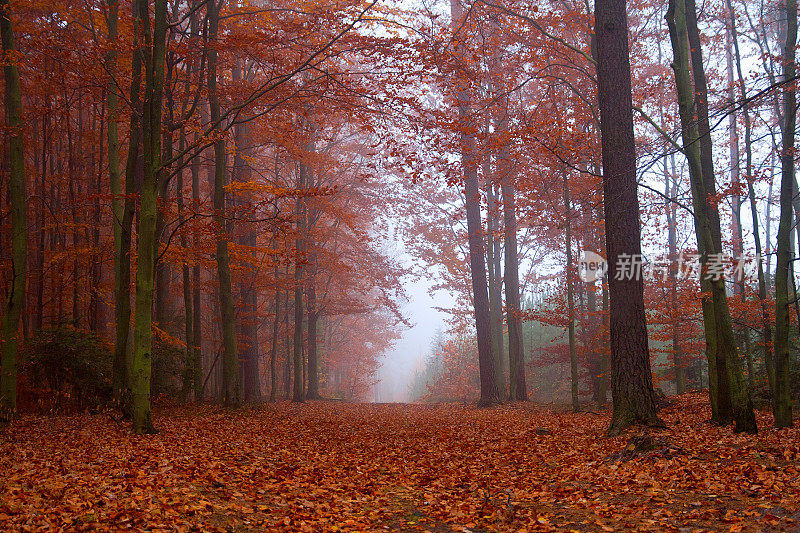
(154, 52)
(9, 337)
(782, 405)
(516, 348)
(490, 394)
(573, 357)
(766, 327)
(730, 398)
(298, 391)
(631, 378)
(230, 358)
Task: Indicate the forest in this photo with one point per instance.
(214, 215)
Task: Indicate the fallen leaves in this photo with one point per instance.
(362, 467)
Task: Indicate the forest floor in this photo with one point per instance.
(330, 466)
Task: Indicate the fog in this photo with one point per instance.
(412, 350)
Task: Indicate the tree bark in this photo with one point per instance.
(495, 283)
(766, 328)
(733, 401)
(516, 348)
(273, 381)
(230, 357)
(197, 329)
(312, 313)
(782, 405)
(573, 356)
(631, 378)
(121, 379)
(298, 392)
(249, 292)
(490, 394)
(188, 323)
(154, 59)
(18, 203)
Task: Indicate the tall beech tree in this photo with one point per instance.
(298, 389)
(631, 378)
(766, 327)
(153, 43)
(730, 397)
(490, 394)
(573, 357)
(784, 273)
(516, 348)
(9, 335)
(230, 355)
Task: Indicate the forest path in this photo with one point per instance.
(331, 466)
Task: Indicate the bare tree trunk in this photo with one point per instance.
(605, 361)
(151, 150)
(39, 317)
(287, 372)
(730, 399)
(631, 378)
(733, 396)
(766, 331)
(230, 358)
(782, 405)
(121, 380)
(490, 394)
(19, 237)
(516, 348)
(671, 191)
(188, 323)
(495, 283)
(273, 382)
(736, 201)
(573, 356)
(249, 293)
(298, 392)
(313, 363)
(197, 329)
(312, 313)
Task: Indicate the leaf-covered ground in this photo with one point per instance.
(327, 466)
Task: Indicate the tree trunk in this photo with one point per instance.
(287, 371)
(495, 284)
(766, 328)
(39, 317)
(188, 372)
(121, 380)
(516, 348)
(273, 382)
(313, 362)
(298, 393)
(19, 240)
(230, 357)
(733, 397)
(249, 292)
(312, 313)
(490, 394)
(112, 138)
(148, 210)
(197, 329)
(573, 356)
(782, 406)
(736, 205)
(605, 360)
(670, 191)
(631, 378)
